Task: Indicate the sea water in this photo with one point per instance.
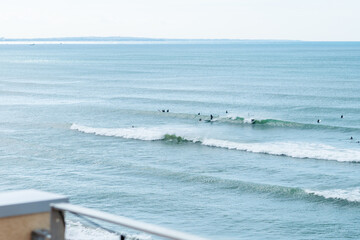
(87, 121)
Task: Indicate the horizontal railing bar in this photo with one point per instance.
(127, 222)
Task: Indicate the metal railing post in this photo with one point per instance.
(57, 224)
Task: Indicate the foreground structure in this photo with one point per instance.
(38, 215)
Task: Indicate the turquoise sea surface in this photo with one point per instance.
(87, 121)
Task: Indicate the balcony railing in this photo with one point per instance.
(58, 223)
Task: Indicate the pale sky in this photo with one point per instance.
(314, 20)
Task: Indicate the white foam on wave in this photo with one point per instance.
(77, 231)
(133, 133)
(248, 119)
(351, 195)
(228, 116)
(231, 116)
(140, 133)
(290, 149)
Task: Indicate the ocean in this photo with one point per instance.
(127, 129)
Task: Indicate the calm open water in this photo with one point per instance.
(86, 121)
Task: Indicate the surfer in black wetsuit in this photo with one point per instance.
(198, 113)
(351, 138)
(199, 119)
(252, 121)
(342, 116)
(163, 110)
(211, 117)
(167, 110)
(226, 111)
(318, 121)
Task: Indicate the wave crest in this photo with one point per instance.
(350, 195)
(146, 134)
(289, 149)
(236, 119)
(174, 138)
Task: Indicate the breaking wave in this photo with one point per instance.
(280, 123)
(174, 138)
(289, 149)
(235, 119)
(350, 195)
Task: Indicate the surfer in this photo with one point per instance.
(163, 110)
(199, 119)
(167, 110)
(318, 121)
(351, 138)
(342, 116)
(252, 121)
(198, 113)
(226, 111)
(211, 117)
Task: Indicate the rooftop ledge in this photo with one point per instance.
(15, 203)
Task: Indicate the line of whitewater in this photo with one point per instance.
(289, 149)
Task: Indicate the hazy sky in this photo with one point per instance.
(242, 19)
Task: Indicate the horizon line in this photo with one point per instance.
(133, 38)
(124, 39)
